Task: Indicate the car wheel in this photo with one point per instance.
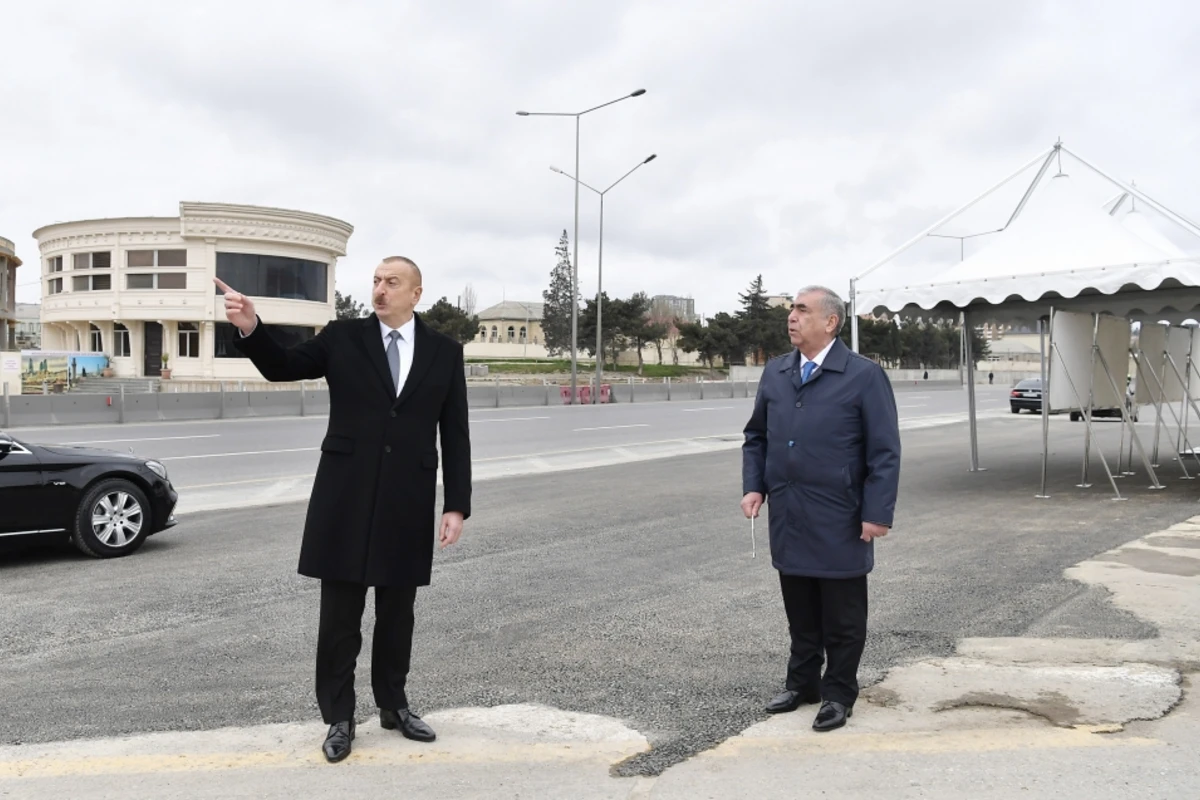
(1076, 416)
(1015, 410)
(113, 520)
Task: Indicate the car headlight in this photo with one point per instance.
(157, 468)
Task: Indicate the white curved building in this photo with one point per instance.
(136, 288)
(8, 294)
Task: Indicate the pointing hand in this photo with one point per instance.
(239, 309)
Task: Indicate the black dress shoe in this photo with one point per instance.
(409, 724)
(337, 742)
(832, 715)
(790, 700)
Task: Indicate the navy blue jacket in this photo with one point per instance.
(826, 455)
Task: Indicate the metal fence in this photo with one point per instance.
(81, 409)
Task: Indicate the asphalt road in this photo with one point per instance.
(627, 591)
(233, 452)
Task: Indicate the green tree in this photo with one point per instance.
(556, 311)
(346, 308)
(755, 324)
(452, 321)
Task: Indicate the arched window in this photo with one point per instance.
(522, 339)
(120, 340)
(511, 333)
(97, 340)
(494, 333)
(482, 334)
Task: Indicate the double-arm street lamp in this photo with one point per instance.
(575, 254)
(600, 265)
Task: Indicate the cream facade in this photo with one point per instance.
(512, 329)
(139, 288)
(8, 294)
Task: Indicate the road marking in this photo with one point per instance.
(150, 439)
(275, 479)
(914, 405)
(510, 419)
(245, 453)
(710, 408)
(613, 427)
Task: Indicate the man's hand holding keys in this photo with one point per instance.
(239, 309)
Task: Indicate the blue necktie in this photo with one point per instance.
(807, 370)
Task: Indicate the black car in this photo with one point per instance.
(1027, 396)
(106, 503)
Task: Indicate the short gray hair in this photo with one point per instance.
(831, 305)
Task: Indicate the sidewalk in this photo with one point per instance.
(1001, 718)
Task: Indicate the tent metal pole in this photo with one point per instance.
(1187, 392)
(1040, 157)
(1186, 476)
(1029, 192)
(971, 399)
(1128, 420)
(1087, 419)
(1043, 324)
(1091, 397)
(1162, 398)
(1160, 208)
(853, 316)
(1187, 398)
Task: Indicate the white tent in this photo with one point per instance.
(1059, 251)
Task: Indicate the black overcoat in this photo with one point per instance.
(371, 517)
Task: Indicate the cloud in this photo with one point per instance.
(800, 141)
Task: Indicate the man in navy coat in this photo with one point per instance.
(823, 449)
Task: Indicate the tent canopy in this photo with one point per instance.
(1060, 249)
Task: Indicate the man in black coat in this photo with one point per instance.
(393, 384)
(823, 446)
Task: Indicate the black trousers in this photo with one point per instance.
(827, 619)
(339, 641)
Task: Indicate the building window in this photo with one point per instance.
(274, 276)
(483, 334)
(54, 264)
(522, 339)
(511, 333)
(91, 283)
(100, 260)
(156, 280)
(54, 286)
(156, 258)
(285, 335)
(96, 340)
(189, 340)
(493, 333)
(121, 347)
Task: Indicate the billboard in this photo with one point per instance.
(57, 370)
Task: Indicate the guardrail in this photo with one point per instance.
(83, 409)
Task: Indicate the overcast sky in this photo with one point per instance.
(798, 140)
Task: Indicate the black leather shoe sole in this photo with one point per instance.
(777, 706)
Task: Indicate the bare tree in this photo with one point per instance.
(467, 301)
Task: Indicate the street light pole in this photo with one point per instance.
(575, 254)
(600, 265)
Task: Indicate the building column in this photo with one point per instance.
(208, 346)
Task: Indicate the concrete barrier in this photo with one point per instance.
(30, 409)
(274, 404)
(142, 408)
(83, 409)
(188, 406)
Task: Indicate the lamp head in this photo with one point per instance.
(651, 158)
(522, 113)
(638, 93)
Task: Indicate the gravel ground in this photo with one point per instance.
(627, 591)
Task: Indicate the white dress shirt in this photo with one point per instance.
(819, 357)
(405, 345)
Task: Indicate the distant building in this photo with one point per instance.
(29, 327)
(8, 295)
(683, 308)
(511, 329)
(779, 301)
